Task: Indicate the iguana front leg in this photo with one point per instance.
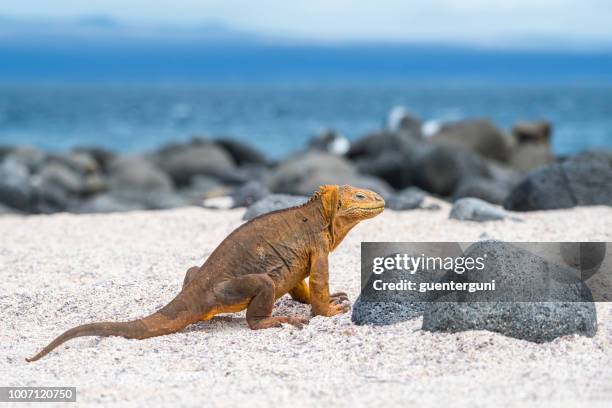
(301, 293)
(322, 303)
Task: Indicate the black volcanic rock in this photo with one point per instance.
(585, 179)
(15, 188)
(442, 168)
(241, 152)
(474, 209)
(479, 136)
(534, 299)
(302, 174)
(249, 193)
(200, 157)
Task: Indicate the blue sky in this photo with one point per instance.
(523, 23)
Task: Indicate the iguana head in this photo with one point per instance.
(345, 206)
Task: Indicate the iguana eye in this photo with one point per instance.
(360, 196)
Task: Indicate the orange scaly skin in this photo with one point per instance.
(256, 264)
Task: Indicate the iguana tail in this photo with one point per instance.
(173, 317)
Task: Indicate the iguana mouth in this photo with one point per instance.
(371, 208)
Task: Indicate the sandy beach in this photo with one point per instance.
(62, 270)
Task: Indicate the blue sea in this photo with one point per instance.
(281, 117)
(132, 95)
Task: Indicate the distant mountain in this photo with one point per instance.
(102, 30)
(94, 48)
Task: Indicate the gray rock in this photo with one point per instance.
(6, 210)
(355, 180)
(384, 313)
(79, 162)
(386, 307)
(161, 200)
(441, 169)
(104, 203)
(479, 136)
(589, 177)
(4, 151)
(395, 166)
(183, 162)
(247, 172)
(249, 194)
(15, 188)
(48, 190)
(376, 143)
(61, 176)
(542, 189)
(31, 157)
(494, 187)
(136, 183)
(532, 132)
(102, 156)
(391, 166)
(330, 141)
(55, 185)
(585, 179)
(585, 257)
(273, 202)
(293, 175)
(150, 200)
(240, 152)
(137, 174)
(401, 119)
(482, 188)
(388, 156)
(408, 199)
(302, 174)
(379, 309)
(533, 321)
(201, 188)
(530, 156)
(534, 300)
(532, 145)
(204, 185)
(94, 184)
(474, 209)
(503, 175)
(50, 199)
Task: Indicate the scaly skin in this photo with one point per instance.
(256, 264)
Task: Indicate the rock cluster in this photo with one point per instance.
(471, 158)
(536, 300)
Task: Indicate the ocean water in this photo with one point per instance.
(281, 117)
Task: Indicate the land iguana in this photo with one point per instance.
(259, 262)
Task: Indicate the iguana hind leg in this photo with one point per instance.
(259, 288)
(191, 273)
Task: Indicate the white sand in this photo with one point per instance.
(62, 270)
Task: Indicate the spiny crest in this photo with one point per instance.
(322, 189)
